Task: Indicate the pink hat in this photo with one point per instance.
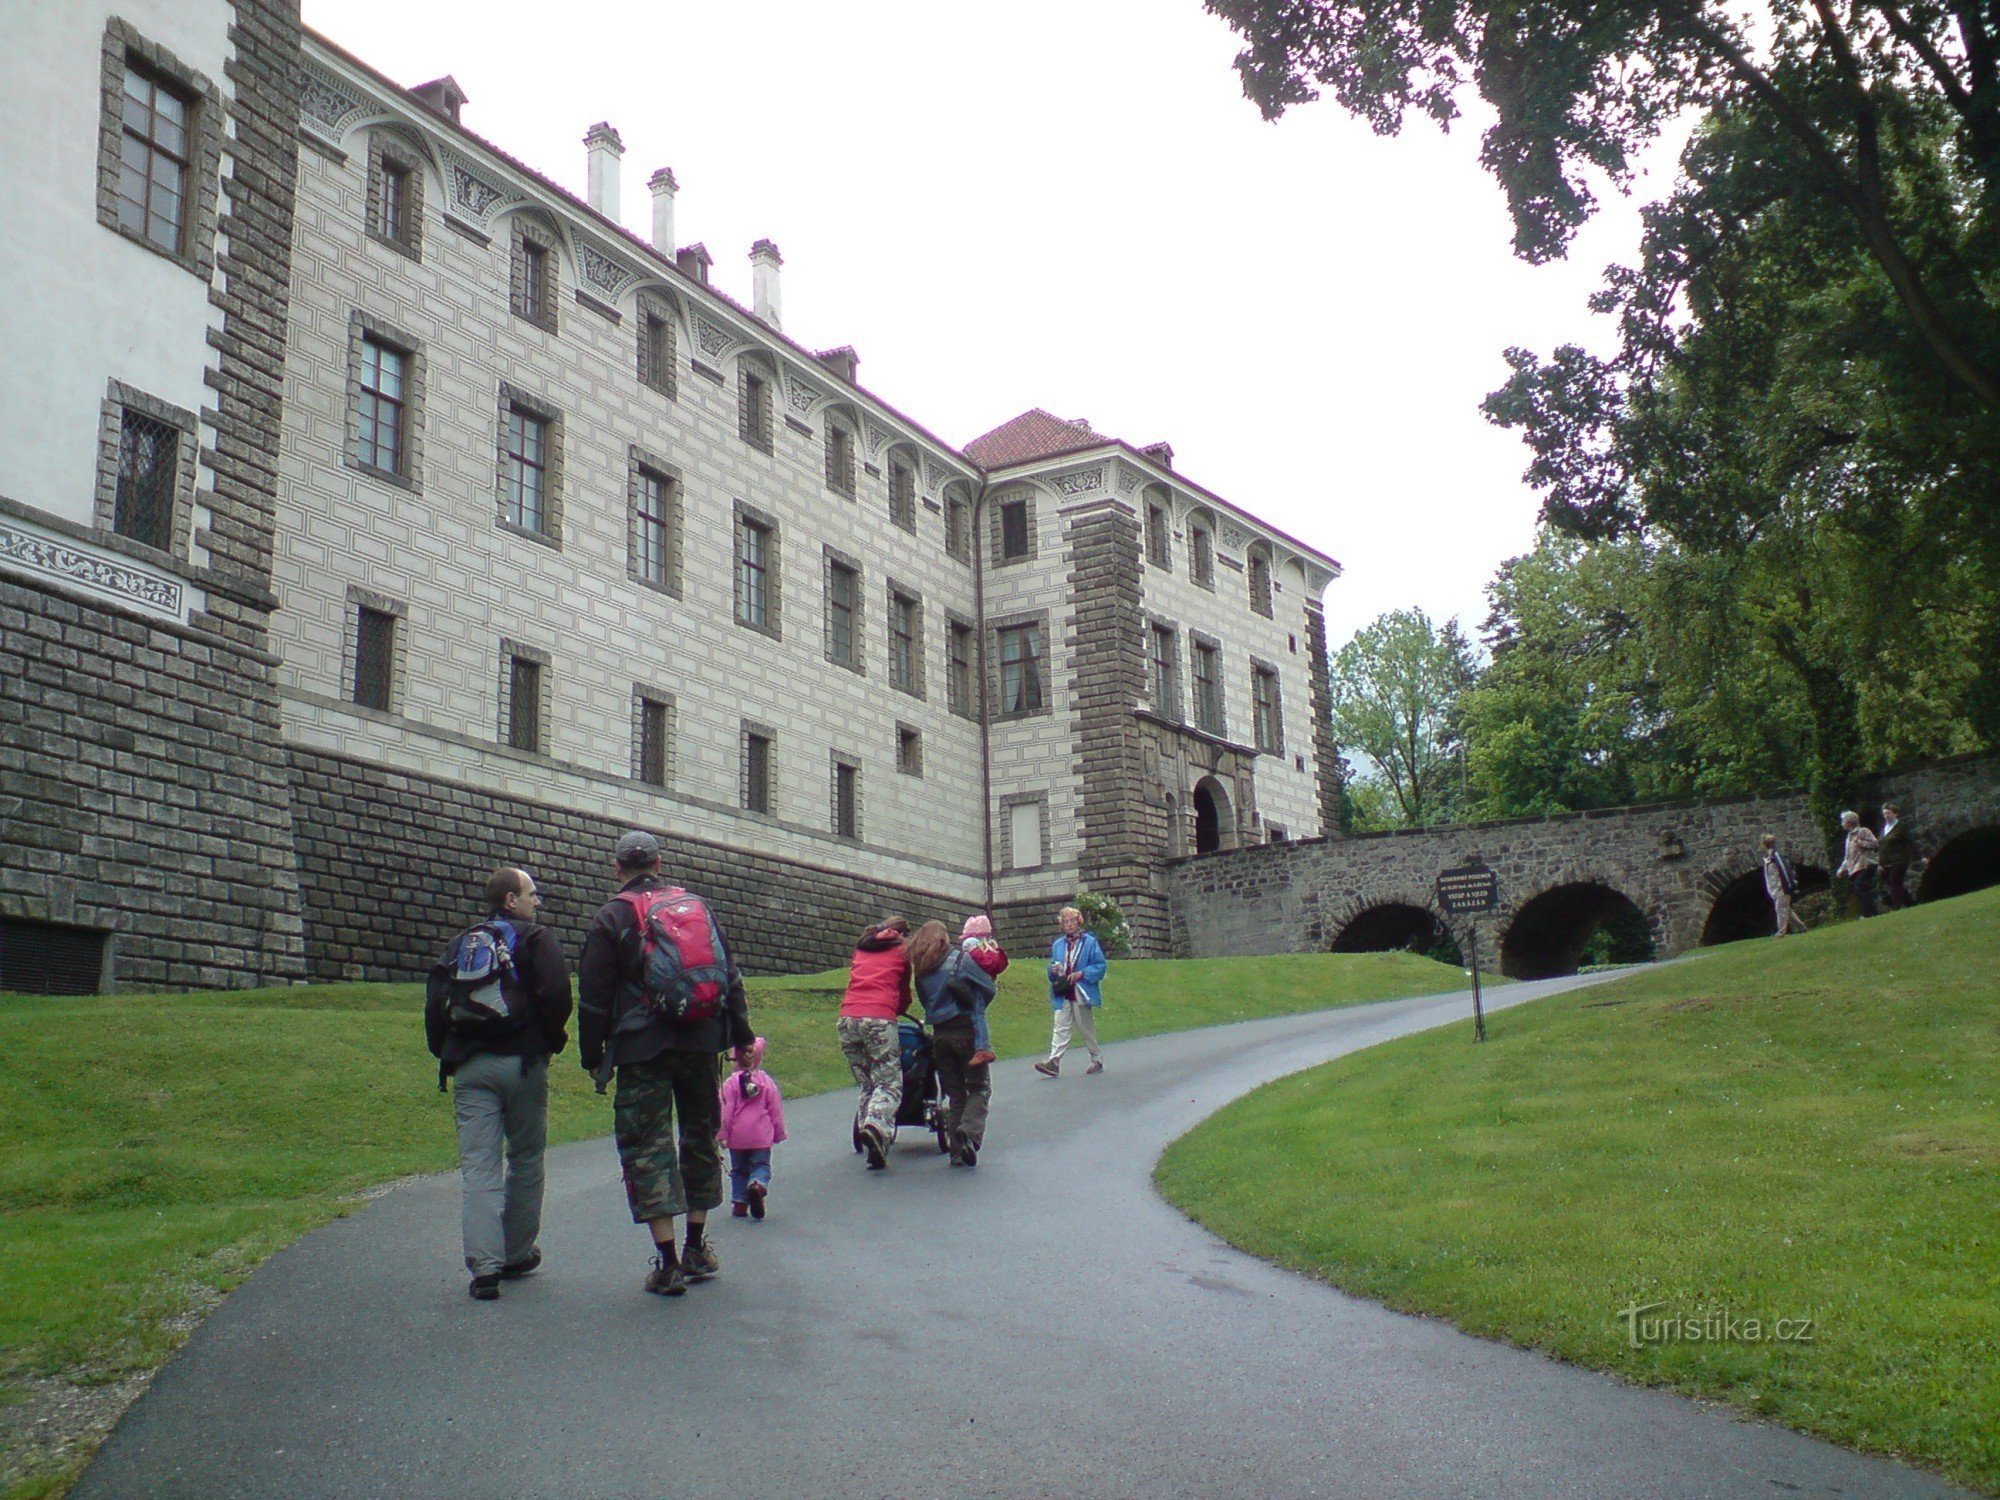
(979, 926)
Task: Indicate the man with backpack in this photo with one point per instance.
(494, 1012)
(1781, 881)
(658, 996)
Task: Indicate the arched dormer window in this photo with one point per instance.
(1257, 563)
(658, 326)
(958, 522)
(1159, 511)
(1201, 548)
(756, 401)
(841, 438)
(532, 283)
(396, 190)
(902, 470)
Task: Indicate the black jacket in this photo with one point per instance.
(1893, 848)
(543, 973)
(608, 986)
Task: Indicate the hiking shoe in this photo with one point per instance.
(1095, 1067)
(1047, 1068)
(666, 1278)
(967, 1153)
(700, 1261)
(485, 1288)
(981, 1058)
(876, 1147)
(739, 1210)
(527, 1265)
(758, 1193)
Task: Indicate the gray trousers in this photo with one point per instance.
(503, 1107)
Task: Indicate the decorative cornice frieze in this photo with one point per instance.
(936, 475)
(877, 436)
(26, 550)
(1128, 479)
(713, 338)
(608, 274)
(327, 106)
(1080, 483)
(471, 196)
(799, 394)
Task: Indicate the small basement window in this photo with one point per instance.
(47, 958)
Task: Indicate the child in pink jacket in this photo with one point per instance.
(753, 1121)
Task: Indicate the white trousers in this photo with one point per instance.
(1081, 1020)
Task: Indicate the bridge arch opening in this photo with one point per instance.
(1572, 926)
(1398, 927)
(1214, 827)
(1969, 862)
(1743, 907)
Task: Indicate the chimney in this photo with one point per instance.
(1160, 453)
(664, 187)
(843, 361)
(694, 261)
(764, 263)
(604, 148)
(441, 96)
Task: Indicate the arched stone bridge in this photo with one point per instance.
(1681, 873)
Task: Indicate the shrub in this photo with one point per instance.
(1102, 916)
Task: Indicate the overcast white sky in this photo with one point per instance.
(1069, 204)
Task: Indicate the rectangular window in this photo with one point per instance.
(653, 528)
(1166, 687)
(652, 741)
(955, 529)
(1014, 529)
(1259, 567)
(524, 466)
(1268, 725)
(843, 600)
(958, 685)
(524, 705)
(1024, 835)
(840, 460)
(1021, 669)
(656, 352)
(909, 751)
(847, 800)
(902, 494)
(1208, 687)
(756, 772)
(149, 456)
(393, 205)
(1276, 833)
(1159, 537)
(903, 642)
(374, 658)
(753, 573)
(1201, 556)
(532, 298)
(153, 160)
(754, 410)
(384, 370)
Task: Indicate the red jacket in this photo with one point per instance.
(878, 980)
(990, 956)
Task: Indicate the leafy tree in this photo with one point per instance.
(1395, 686)
(1577, 87)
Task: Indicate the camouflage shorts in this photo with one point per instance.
(662, 1178)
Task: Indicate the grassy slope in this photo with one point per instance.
(155, 1148)
(1774, 1129)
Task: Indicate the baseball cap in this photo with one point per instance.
(638, 848)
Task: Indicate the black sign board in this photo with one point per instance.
(1468, 890)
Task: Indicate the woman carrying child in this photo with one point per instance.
(955, 992)
(878, 991)
(753, 1121)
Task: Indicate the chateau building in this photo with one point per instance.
(374, 511)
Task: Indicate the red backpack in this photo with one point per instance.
(683, 972)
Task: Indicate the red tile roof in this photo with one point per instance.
(1032, 435)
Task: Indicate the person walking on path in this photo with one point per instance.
(753, 1121)
(1894, 849)
(1076, 989)
(498, 1060)
(1857, 866)
(1781, 883)
(665, 1065)
(955, 990)
(878, 991)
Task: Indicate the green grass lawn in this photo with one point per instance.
(156, 1148)
(1806, 1128)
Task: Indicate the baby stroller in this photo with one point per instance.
(923, 1094)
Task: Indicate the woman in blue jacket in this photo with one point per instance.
(1076, 989)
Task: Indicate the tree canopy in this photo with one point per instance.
(1394, 689)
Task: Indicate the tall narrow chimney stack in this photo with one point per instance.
(604, 148)
(764, 263)
(664, 187)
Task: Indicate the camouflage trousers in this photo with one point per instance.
(660, 1180)
(875, 1057)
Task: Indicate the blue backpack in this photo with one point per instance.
(475, 974)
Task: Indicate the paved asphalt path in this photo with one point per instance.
(1042, 1325)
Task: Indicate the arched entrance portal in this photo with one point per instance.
(1214, 828)
(1743, 907)
(1970, 862)
(1563, 929)
(1398, 926)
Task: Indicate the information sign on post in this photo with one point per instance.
(1471, 890)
